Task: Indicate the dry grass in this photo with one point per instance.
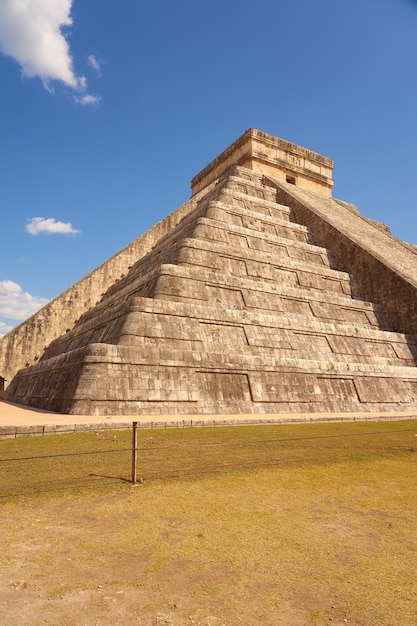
(317, 526)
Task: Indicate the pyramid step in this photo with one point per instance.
(292, 346)
(262, 301)
(246, 218)
(167, 249)
(278, 335)
(270, 245)
(255, 264)
(275, 320)
(184, 326)
(229, 361)
(121, 378)
(242, 202)
(188, 283)
(250, 187)
(185, 284)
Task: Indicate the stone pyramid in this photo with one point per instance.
(263, 294)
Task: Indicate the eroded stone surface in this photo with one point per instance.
(255, 297)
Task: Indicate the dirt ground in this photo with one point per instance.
(59, 574)
(306, 546)
(269, 546)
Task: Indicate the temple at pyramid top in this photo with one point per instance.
(271, 156)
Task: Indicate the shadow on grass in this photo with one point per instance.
(89, 483)
(122, 479)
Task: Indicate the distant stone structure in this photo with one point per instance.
(261, 294)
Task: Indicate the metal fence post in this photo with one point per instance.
(134, 451)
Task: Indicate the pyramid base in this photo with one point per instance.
(105, 380)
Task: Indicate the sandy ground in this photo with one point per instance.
(22, 416)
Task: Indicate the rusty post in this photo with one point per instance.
(134, 451)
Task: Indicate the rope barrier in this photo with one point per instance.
(288, 455)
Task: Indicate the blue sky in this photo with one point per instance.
(108, 109)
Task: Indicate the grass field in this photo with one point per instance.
(279, 525)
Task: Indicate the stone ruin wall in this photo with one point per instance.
(26, 343)
(244, 315)
(384, 267)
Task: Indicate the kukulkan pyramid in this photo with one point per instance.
(261, 294)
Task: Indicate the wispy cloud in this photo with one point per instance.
(50, 226)
(16, 304)
(31, 33)
(95, 63)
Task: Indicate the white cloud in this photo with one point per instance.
(17, 304)
(88, 99)
(94, 62)
(50, 226)
(31, 33)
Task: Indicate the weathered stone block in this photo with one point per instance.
(229, 306)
